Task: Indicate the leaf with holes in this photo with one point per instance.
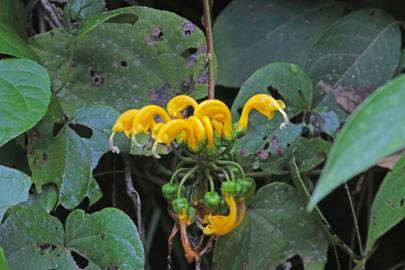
(33, 239)
(127, 65)
(388, 206)
(11, 27)
(14, 188)
(264, 139)
(276, 227)
(45, 200)
(361, 50)
(271, 31)
(375, 130)
(79, 9)
(24, 96)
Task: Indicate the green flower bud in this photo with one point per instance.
(179, 204)
(246, 184)
(228, 187)
(212, 200)
(169, 191)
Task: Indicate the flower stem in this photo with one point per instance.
(184, 179)
(210, 48)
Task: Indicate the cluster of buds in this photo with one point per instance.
(208, 188)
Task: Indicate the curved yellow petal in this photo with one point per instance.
(122, 124)
(177, 104)
(264, 104)
(198, 129)
(218, 127)
(212, 108)
(145, 118)
(220, 225)
(156, 128)
(209, 132)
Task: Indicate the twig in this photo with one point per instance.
(210, 48)
(355, 223)
(136, 201)
(54, 17)
(208, 246)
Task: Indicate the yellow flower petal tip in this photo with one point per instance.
(122, 124)
(170, 131)
(221, 225)
(179, 103)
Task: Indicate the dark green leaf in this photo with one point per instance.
(117, 242)
(3, 261)
(270, 31)
(360, 50)
(80, 9)
(309, 153)
(127, 66)
(276, 228)
(388, 207)
(32, 239)
(24, 96)
(45, 200)
(14, 188)
(11, 24)
(375, 130)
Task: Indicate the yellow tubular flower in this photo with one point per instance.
(266, 105)
(221, 225)
(177, 104)
(171, 130)
(218, 127)
(209, 132)
(212, 108)
(156, 128)
(198, 129)
(189, 252)
(122, 124)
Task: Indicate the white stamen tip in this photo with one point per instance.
(111, 145)
(154, 149)
(286, 120)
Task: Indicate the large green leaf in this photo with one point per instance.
(360, 50)
(388, 206)
(33, 239)
(11, 43)
(46, 200)
(271, 31)
(80, 9)
(264, 141)
(276, 228)
(14, 188)
(375, 130)
(24, 96)
(127, 65)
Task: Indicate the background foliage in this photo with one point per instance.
(69, 68)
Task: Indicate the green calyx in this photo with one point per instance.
(246, 184)
(229, 188)
(180, 204)
(169, 191)
(212, 200)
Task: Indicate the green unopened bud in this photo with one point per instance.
(246, 184)
(169, 191)
(212, 200)
(229, 188)
(180, 204)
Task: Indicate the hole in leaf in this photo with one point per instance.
(96, 79)
(45, 248)
(81, 130)
(124, 63)
(266, 146)
(188, 52)
(275, 93)
(157, 33)
(188, 28)
(81, 261)
(186, 84)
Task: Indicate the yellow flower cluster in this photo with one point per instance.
(210, 122)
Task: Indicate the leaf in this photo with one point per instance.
(80, 9)
(45, 200)
(33, 239)
(10, 27)
(24, 96)
(13, 155)
(276, 228)
(14, 188)
(388, 206)
(119, 240)
(309, 153)
(355, 52)
(271, 31)
(3, 261)
(127, 65)
(264, 138)
(375, 130)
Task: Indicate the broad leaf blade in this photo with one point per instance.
(45, 200)
(271, 31)
(375, 130)
(3, 261)
(24, 96)
(127, 66)
(360, 50)
(388, 206)
(276, 228)
(14, 188)
(118, 242)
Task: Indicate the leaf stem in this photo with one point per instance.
(210, 48)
